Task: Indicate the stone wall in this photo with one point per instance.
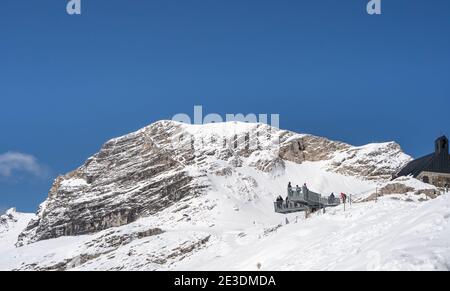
(436, 179)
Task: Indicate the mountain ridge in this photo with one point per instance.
(138, 174)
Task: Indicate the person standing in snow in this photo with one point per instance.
(279, 201)
(331, 199)
(289, 188)
(305, 191)
(344, 198)
(446, 188)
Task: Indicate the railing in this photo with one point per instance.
(304, 195)
(282, 207)
(296, 195)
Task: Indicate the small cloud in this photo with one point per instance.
(12, 162)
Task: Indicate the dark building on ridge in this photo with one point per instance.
(434, 168)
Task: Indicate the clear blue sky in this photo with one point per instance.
(69, 83)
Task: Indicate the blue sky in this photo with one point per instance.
(69, 83)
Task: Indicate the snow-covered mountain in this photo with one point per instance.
(12, 224)
(176, 196)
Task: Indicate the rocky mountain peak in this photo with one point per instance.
(147, 171)
(8, 217)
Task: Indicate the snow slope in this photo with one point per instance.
(11, 225)
(388, 235)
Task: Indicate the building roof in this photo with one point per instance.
(438, 162)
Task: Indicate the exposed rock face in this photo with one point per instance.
(8, 218)
(269, 165)
(132, 176)
(102, 245)
(309, 148)
(145, 172)
(373, 161)
(405, 185)
(397, 188)
(134, 248)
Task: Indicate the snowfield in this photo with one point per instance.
(388, 235)
(239, 234)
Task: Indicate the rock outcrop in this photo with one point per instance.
(303, 148)
(405, 186)
(131, 177)
(373, 161)
(8, 218)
